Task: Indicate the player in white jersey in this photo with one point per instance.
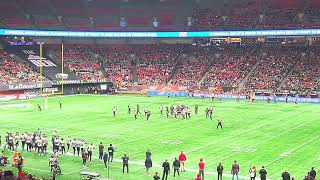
(161, 110)
(62, 146)
(114, 110)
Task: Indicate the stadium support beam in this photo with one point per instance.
(54, 12)
(30, 18)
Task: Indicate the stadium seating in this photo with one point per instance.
(305, 76)
(13, 72)
(82, 61)
(272, 68)
(230, 68)
(192, 68)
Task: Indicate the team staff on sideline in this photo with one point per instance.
(166, 169)
(156, 176)
(105, 159)
(201, 168)
(263, 173)
(285, 175)
(101, 148)
(125, 163)
(220, 170)
(182, 159)
(148, 165)
(235, 170)
(90, 149)
(111, 151)
(176, 167)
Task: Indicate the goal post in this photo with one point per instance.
(60, 75)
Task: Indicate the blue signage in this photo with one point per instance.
(89, 34)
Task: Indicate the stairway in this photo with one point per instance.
(213, 59)
(286, 77)
(245, 79)
(175, 69)
(134, 73)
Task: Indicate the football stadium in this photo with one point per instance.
(159, 89)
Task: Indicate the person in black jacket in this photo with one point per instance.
(220, 170)
(166, 169)
(285, 175)
(156, 176)
(263, 173)
(148, 165)
(176, 167)
(313, 173)
(125, 162)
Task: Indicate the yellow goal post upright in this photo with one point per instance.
(61, 82)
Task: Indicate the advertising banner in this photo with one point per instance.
(21, 86)
(233, 96)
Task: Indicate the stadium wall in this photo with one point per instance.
(233, 96)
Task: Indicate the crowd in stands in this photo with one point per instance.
(272, 69)
(13, 72)
(154, 63)
(280, 69)
(81, 60)
(258, 15)
(192, 67)
(230, 68)
(305, 76)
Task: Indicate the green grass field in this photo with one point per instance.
(279, 136)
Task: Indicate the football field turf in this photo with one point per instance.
(277, 135)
